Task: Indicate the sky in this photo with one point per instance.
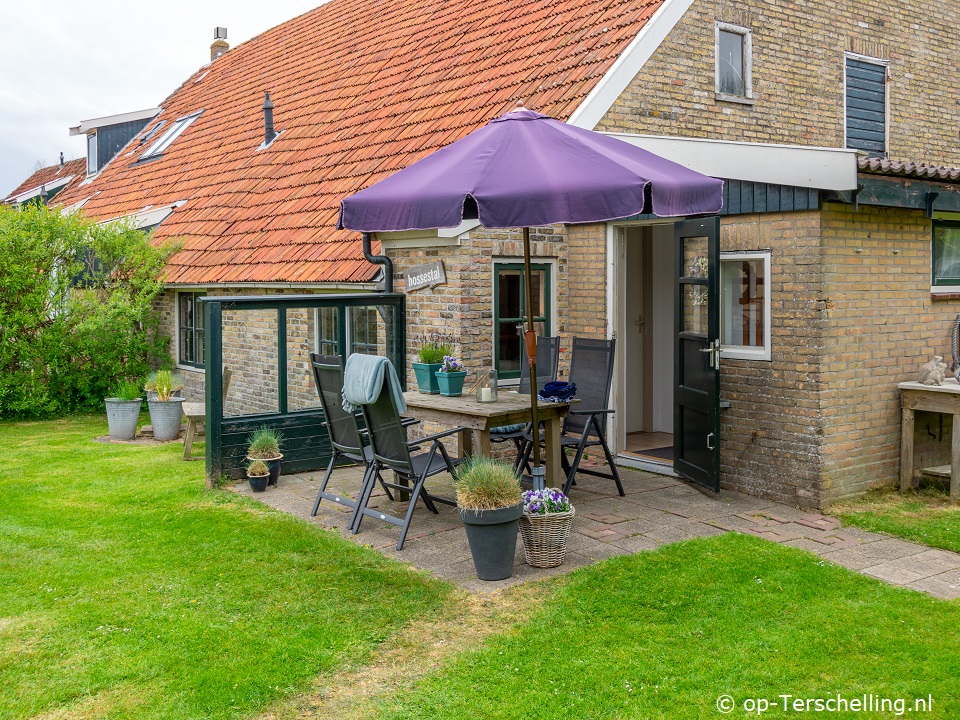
(65, 61)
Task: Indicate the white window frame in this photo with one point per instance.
(885, 64)
(92, 152)
(747, 35)
(166, 140)
(742, 352)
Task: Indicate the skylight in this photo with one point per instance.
(165, 140)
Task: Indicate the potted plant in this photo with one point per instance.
(545, 526)
(264, 444)
(430, 359)
(450, 376)
(490, 505)
(123, 410)
(166, 410)
(258, 475)
(150, 385)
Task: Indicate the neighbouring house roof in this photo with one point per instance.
(55, 178)
(360, 90)
(879, 166)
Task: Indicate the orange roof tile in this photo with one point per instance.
(361, 90)
(75, 168)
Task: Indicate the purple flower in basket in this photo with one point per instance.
(451, 364)
(544, 502)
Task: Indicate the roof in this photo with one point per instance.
(88, 125)
(361, 90)
(879, 166)
(72, 171)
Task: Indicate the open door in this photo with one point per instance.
(697, 357)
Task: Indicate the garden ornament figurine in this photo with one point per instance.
(933, 372)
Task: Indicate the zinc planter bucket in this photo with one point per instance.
(122, 418)
(166, 416)
(492, 535)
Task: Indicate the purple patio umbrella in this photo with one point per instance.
(525, 169)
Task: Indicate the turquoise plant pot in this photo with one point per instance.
(451, 383)
(426, 377)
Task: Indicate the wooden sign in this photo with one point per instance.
(421, 276)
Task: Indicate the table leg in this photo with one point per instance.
(481, 442)
(466, 443)
(554, 477)
(906, 449)
(955, 461)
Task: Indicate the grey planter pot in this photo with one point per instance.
(166, 418)
(122, 418)
(492, 535)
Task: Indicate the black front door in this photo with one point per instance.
(697, 352)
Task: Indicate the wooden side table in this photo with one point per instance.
(930, 398)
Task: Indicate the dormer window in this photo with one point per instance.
(92, 167)
(165, 140)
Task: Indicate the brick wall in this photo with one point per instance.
(798, 75)
(770, 436)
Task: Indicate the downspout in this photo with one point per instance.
(379, 260)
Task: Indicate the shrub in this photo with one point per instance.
(486, 484)
(76, 313)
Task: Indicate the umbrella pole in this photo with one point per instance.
(530, 338)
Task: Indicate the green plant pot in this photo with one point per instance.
(258, 483)
(426, 377)
(451, 383)
(492, 535)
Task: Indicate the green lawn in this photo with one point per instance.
(925, 516)
(664, 634)
(130, 591)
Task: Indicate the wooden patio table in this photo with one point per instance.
(931, 398)
(477, 418)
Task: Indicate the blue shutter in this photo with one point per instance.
(866, 106)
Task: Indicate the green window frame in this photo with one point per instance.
(945, 265)
(190, 328)
(363, 330)
(510, 315)
(328, 331)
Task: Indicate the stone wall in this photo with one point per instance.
(798, 75)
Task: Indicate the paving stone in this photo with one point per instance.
(637, 543)
(607, 518)
(819, 522)
(927, 563)
(875, 553)
(808, 545)
(677, 533)
(598, 534)
(892, 574)
(945, 585)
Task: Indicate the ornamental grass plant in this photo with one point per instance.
(264, 444)
(432, 352)
(486, 484)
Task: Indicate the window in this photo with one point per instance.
(734, 58)
(328, 331)
(360, 333)
(165, 140)
(190, 323)
(92, 154)
(363, 330)
(745, 305)
(866, 105)
(509, 313)
(946, 253)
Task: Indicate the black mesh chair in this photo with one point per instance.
(346, 438)
(591, 370)
(548, 357)
(392, 451)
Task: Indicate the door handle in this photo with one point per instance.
(710, 445)
(714, 350)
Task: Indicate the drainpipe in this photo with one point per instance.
(379, 260)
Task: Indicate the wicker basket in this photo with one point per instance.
(545, 537)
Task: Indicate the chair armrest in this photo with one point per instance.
(436, 436)
(407, 422)
(590, 412)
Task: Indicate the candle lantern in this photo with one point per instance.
(487, 387)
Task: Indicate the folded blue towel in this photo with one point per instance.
(558, 391)
(363, 380)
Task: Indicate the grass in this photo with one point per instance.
(925, 516)
(664, 634)
(130, 591)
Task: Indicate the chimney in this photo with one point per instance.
(220, 44)
(61, 161)
(268, 133)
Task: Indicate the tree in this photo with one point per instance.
(76, 310)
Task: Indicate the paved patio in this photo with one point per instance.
(656, 510)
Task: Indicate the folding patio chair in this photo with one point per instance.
(392, 451)
(548, 357)
(591, 370)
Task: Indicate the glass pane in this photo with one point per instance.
(199, 347)
(186, 346)
(946, 254)
(250, 352)
(695, 309)
(301, 388)
(695, 263)
(743, 288)
(508, 347)
(730, 64)
(537, 289)
(508, 294)
(197, 311)
(328, 321)
(364, 330)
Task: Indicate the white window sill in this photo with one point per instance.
(191, 369)
(745, 353)
(740, 99)
(944, 289)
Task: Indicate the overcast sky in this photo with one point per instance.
(63, 61)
